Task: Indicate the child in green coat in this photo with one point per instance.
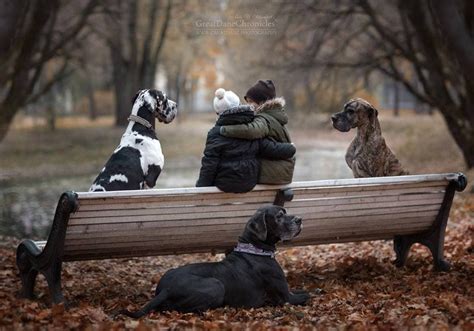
(270, 121)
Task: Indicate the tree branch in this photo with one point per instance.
(164, 30)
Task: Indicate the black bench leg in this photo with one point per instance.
(53, 277)
(435, 243)
(30, 262)
(28, 280)
(401, 245)
(25, 254)
(433, 238)
(30, 259)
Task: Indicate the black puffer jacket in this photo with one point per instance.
(232, 164)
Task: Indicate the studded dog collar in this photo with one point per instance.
(251, 249)
(140, 120)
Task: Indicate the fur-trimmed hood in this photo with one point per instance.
(274, 107)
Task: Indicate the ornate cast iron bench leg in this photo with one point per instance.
(31, 260)
(27, 272)
(433, 238)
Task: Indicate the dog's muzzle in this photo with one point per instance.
(294, 228)
(299, 223)
(169, 113)
(339, 123)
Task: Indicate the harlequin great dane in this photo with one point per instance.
(248, 277)
(368, 155)
(137, 162)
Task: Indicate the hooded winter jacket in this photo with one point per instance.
(232, 164)
(269, 122)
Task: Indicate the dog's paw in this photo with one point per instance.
(299, 297)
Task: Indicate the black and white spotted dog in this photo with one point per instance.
(138, 160)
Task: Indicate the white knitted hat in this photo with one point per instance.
(225, 100)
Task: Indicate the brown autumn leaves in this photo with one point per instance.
(352, 286)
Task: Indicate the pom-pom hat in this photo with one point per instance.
(225, 100)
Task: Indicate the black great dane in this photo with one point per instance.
(248, 277)
(138, 160)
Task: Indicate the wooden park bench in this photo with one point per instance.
(124, 224)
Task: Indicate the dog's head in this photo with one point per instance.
(270, 224)
(355, 113)
(164, 109)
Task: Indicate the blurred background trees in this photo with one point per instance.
(65, 57)
(33, 35)
(425, 47)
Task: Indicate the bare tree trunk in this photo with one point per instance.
(462, 132)
(396, 99)
(123, 99)
(310, 96)
(122, 83)
(90, 95)
(7, 114)
(135, 53)
(91, 99)
(192, 95)
(51, 117)
(31, 36)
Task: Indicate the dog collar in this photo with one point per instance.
(140, 120)
(251, 249)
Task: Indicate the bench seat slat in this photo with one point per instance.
(183, 199)
(412, 191)
(310, 226)
(131, 210)
(101, 230)
(329, 183)
(221, 198)
(216, 248)
(426, 210)
(228, 237)
(368, 209)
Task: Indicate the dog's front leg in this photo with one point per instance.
(279, 293)
(152, 175)
(359, 170)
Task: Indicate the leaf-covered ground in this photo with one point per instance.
(352, 286)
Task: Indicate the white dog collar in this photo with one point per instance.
(251, 249)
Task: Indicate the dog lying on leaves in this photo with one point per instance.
(368, 155)
(248, 277)
(138, 160)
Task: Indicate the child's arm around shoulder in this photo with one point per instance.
(271, 149)
(256, 129)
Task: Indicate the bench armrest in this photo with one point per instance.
(459, 179)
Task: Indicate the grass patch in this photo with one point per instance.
(84, 148)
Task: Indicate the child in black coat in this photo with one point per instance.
(232, 164)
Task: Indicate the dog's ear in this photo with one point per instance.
(159, 96)
(373, 113)
(135, 97)
(257, 226)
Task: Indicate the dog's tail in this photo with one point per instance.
(149, 307)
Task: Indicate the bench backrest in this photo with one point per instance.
(191, 220)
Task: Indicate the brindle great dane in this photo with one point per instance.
(368, 154)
